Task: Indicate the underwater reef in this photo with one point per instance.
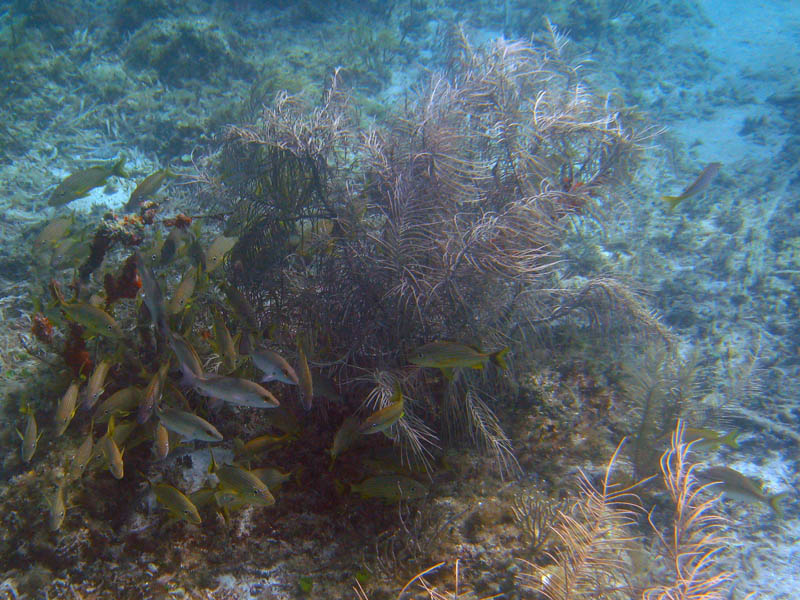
(335, 344)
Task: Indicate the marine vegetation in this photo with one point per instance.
(387, 282)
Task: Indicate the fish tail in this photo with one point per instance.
(673, 201)
(774, 503)
(498, 358)
(119, 169)
(730, 440)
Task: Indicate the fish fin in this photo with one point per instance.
(119, 169)
(212, 466)
(447, 372)
(774, 503)
(673, 201)
(498, 358)
(730, 440)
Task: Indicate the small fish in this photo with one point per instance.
(225, 345)
(392, 488)
(80, 183)
(739, 487)
(345, 437)
(259, 444)
(183, 292)
(305, 381)
(176, 503)
(241, 307)
(243, 482)
(186, 354)
(58, 509)
(217, 251)
(95, 387)
(66, 408)
(446, 355)
(122, 401)
(384, 418)
(272, 477)
(274, 367)
(81, 458)
(54, 231)
(111, 452)
(94, 319)
(708, 439)
(176, 239)
(147, 187)
(152, 394)
(153, 298)
(699, 185)
(234, 390)
(188, 425)
(30, 438)
(161, 440)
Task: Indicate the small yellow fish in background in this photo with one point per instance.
(122, 402)
(80, 183)
(272, 478)
(30, 438)
(259, 444)
(97, 381)
(304, 377)
(740, 487)
(243, 482)
(66, 408)
(161, 441)
(225, 346)
(345, 437)
(152, 394)
(183, 292)
(217, 251)
(707, 439)
(384, 418)
(147, 187)
(391, 488)
(58, 509)
(81, 457)
(448, 355)
(111, 452)
(704, 179)
(53, 232)
(242, 308)
(176, 503)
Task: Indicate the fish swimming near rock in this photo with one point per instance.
(217, 251)
(233, 390)
(94, 319)
(740, 487)
(80, 183)
(58, 509)
(243, 482)
(30, 438)
(153, 298)
(147, 187)
(704, 179)
(391, 488)
(81, 457)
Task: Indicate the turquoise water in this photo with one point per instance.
(403, 208)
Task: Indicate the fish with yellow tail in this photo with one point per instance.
(111, 451)
(94, 319)
(740, 487)
(304, 377)
(80, 183)
(450, 355)
(147, 187)
(66, 408)
(178, 505)
(81, 457)
(384, 418)
(58, 508)
(699, 185)
(391, 488)
(243, 482)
